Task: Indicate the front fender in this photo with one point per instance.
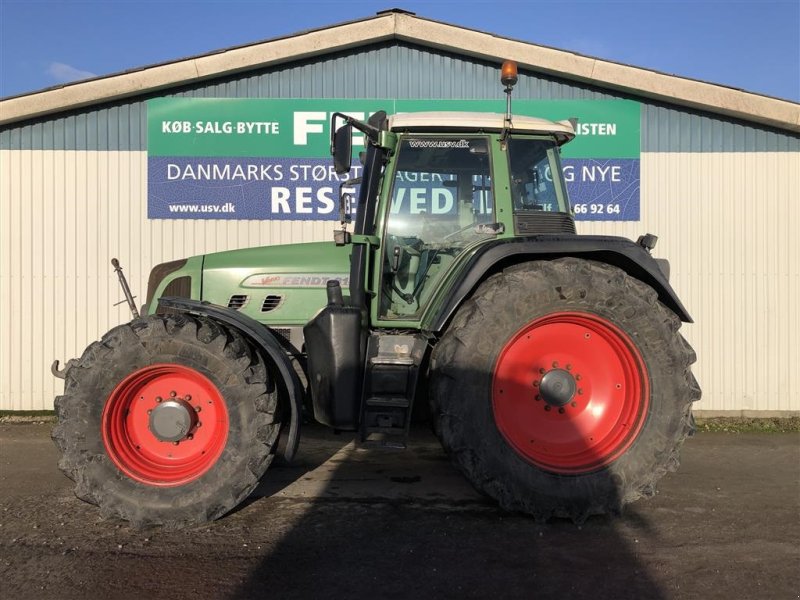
(262, 337)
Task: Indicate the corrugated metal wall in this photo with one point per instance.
(63, 216)
(727, 222)
(390, 71)
(721, 195)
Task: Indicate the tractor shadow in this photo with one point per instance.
(318, 449)
(405, 524)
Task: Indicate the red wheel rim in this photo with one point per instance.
(131, 441)
(605, 409)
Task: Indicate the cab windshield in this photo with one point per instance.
(442, 202)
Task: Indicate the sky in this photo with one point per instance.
(752, 45)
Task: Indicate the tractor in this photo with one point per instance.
(550, 364)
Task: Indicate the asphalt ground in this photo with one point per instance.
(351, 522)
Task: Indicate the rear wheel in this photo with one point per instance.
(563, 388)
(167, 420)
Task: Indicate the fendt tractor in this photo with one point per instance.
(549, 363)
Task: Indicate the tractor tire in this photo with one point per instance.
(563, 389)
(168, 420)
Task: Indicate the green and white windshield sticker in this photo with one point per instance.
(269, 159)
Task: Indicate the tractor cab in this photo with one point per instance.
(447, 182)
(446, 193)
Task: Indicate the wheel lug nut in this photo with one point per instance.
(577, 377)
(199, 423)
(175, 443)
(555, 364)
(188, 397)
(569, 367)
(573, 404)
(536, 383)
(580, 391)
(538, 397)
(561, 410)
(159, 399)
(190, 437)
(197, 408)
(172, 394)
(149, 411)
(547, 407)
(541, 370)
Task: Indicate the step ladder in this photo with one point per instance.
(390, 382)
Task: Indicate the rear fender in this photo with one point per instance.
(264, 339)
(620, 252)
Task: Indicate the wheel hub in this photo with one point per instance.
(589, 387)
(165, 424)
(557, 387)
(171, 421)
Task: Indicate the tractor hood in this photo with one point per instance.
(276, 285)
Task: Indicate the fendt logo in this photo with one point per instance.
(295, 280)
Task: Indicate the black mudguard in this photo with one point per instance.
(629, 256)
(260, 335)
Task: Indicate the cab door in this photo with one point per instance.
(441, 202)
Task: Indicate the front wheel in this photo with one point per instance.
(563, 388)
(167, 420)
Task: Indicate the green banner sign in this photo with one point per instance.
(232, 158)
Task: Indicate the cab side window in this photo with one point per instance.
(531, 165)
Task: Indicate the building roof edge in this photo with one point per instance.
(671, 89)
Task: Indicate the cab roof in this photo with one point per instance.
(445, 121)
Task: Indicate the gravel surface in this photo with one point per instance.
(349, 522)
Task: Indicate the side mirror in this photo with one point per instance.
(342, 149)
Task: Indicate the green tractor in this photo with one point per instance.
(550, 363)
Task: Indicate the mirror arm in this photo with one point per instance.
(373, 133)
